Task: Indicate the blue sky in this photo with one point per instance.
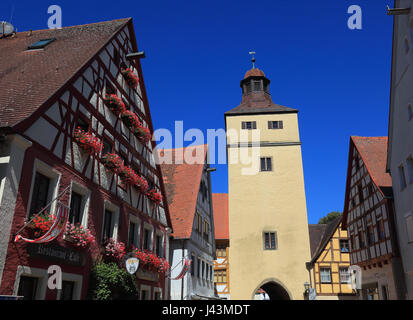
(197, 52)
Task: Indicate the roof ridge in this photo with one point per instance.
(75, 26)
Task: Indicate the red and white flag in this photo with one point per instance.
(55, 230)
(184, 270)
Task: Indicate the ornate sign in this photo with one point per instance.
(132, 265)
(57, 253)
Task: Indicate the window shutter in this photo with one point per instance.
(280, 125)
(269, 164)
(269, 124)
(244, 125)
(254, 125)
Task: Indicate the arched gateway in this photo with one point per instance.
(271, 290)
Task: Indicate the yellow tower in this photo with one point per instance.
(268, 226)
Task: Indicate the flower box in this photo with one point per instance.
(113, 250)
(112, 162)
(142, 184)
(143, 134)
(130, 77)
(128, 176)
(151, 262)
(78, 235)
(41, 223)
(155, 196)
(130, 119)
(114, 103)
(87, 142)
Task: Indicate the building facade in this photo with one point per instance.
(330, 262)
(368, 218)
(188, 187)
(400, 144)
(268, 229)
(221, 264)
(53, 82)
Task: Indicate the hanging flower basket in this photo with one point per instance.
(130, 77)
(114, 103)
(130, 119)
(143, 134)
(142, 184)
(155, 196)
(41, 224)
(87, 142)
(114, 251)
(78, 235)
(151, 261)
(112, 162)
(128, 176)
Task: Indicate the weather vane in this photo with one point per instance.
(253, 58)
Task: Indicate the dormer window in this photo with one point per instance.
(41, 44)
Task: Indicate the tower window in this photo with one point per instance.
(270, 241)
(257, 85)
(248, 87)
(266, 164)
(275, 125)
(249, 125)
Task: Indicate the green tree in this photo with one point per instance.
(109, 282)
(329, 217)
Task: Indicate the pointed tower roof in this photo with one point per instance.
(256, 97)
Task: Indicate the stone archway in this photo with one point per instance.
(272, 289)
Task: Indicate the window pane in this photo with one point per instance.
(325, 274)
(27, 288)
(40, 193)
(344, 275)
(75, 208)
(67, 290)
(269, 164)
(107, 225)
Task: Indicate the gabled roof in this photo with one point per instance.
(324, 235)
(182, 182)
(220, 209)
(28, 78)
(373, 152)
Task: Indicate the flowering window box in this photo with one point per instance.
(87, 142)
(130, 77)
(130, 119)
(154, 196)
(78, 235)
(143, 134)
(142, 184)
(112, 162)
(41, 224)
(114, 103)
(128, 176)
(151, 262)
(113, 250)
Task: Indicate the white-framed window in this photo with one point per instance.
(325, 275)
(344, 275)
(159, 247)
(79, 204)
(145, 293)
(157, 293)
(31, 283)
(44, 188)
(409, 226)
(71, 287)
(402, 177)
(110, 221)
(134, 231)
(147, 237)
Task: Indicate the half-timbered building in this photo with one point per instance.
(369, 219)
(53, 82)
(330, 261)
(221, 264)
(187, 182)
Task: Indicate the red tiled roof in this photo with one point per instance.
(254, 72)
(182, 182)
(29, 78)
(373, 151)
(220, 209)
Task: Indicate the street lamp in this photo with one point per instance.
(306, 286)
